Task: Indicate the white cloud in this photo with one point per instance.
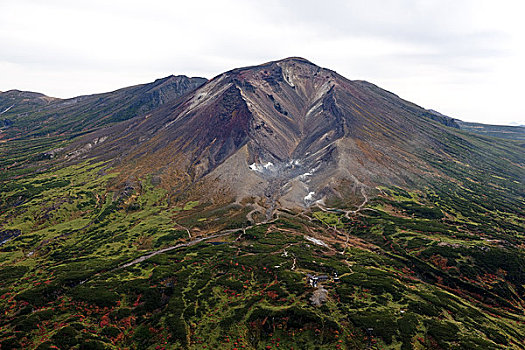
(463, 58)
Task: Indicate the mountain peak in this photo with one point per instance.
(295, 59)
(180, 79)
(277, 65)
(22, 93)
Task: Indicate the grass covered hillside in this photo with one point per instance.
(87, 265)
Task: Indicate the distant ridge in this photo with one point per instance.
(33, 114)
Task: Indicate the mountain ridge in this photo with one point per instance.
(44, 115)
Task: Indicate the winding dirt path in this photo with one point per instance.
(257, 208)
(347, 214)
(365, 200)
(167, 249)
(185, 228)
(7, 110)
(190, 243)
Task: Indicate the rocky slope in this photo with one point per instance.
(286, 132)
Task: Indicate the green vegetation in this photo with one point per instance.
(438, 266)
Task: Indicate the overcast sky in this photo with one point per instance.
(464, 58)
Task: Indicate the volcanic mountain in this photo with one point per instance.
(288, 131)
(280, 205)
